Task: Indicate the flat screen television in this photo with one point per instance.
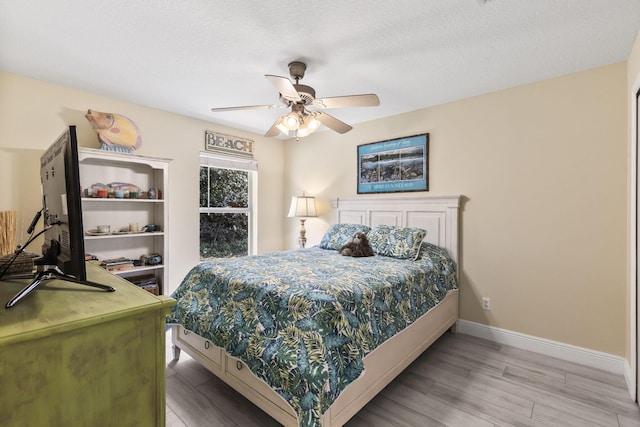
(63, 254)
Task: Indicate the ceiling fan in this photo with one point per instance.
(299, 97)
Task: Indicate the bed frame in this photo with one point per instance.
(436, 214)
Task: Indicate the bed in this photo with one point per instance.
(311, 336)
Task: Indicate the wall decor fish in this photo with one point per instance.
(115, 132)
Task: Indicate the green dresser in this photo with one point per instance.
(72, 355)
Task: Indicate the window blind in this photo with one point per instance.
(228, 162)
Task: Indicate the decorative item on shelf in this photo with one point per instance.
(151, 259)
(115, 132)
(95, 232)
(132, 228)
(154, 193)
(302, 207)
(125, 189)
(150, 228)
(118, 190)
(104, 229)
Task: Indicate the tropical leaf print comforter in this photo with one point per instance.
(303, 320)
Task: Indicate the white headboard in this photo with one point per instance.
(438, 215)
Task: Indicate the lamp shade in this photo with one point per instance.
(291, 121)
(309, 125)
(303, 207)
(281, 127)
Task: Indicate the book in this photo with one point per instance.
(117, 264)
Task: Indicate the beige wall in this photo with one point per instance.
(543, 168)
(33, 114)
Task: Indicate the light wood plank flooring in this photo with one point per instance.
(459, 381)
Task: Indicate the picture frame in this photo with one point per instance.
(394, 165)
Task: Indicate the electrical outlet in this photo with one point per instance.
(486, 303)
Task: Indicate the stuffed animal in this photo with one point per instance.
(357, 246)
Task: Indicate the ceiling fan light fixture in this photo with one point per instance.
(297, 96)
(303, 131)
(309, 125)
(281, 127)
(291, 121)
(313, 123)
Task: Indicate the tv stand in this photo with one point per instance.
(51, 272)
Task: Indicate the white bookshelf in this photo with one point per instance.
(106, 167)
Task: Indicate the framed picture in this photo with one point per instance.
(394, 165)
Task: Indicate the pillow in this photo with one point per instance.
(396, 242)
(338, 234)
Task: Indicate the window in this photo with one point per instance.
(226, 206)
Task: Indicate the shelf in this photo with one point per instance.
(114, 200)
(90, 155)
(123, 235)
(135, 270)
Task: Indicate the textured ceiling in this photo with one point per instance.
(186, 56)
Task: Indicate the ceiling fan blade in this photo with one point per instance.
(274, 131)
(247, 107)
(332, 123)
(285, 87)
(367, 100)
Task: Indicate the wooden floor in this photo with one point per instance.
(460, 381)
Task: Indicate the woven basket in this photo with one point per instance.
(7, 232)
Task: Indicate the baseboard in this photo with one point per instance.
(571, 353)
(630, 379)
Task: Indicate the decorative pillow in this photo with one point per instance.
(396, 242)
(338, 234)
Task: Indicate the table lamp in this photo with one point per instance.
(302, 207)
